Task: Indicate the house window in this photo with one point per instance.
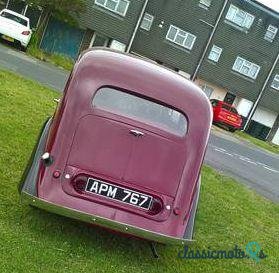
(240, 17)
(117, 6)
(271, 33)
(207, 90)
(275, 83)
(215, 53)
(116, 45)
(147, 21)
(205, 3)
(246, 68)
(181, 37)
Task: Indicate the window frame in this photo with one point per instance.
(179, 130)
(117, 4)
(231, 16)
(215, 49)
(246, 65)
(18, 19)
(273, 32)
(149, 20)
(205, 3)
(208, 90)
(186, 34)
(275, 81)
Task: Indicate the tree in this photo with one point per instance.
(66, 10)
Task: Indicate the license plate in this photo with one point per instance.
(231, 118)
(7, 38)
(120, 194)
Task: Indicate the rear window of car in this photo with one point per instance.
(229, 108)
(141, 109)
(233, 110)
(224, 106)
(14, 18)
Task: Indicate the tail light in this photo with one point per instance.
(26, 32)
(79, 184)
(156, 206)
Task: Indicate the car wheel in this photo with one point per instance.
(23, 49)
(232, 130)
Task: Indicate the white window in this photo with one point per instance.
(181, 37)
(117, 6)
(275, 83)
(240, 17)
(208, 90)
(215, 53)
(271, 33)
(205, 3)
(246, 68)
(147, 21)
(116, 45)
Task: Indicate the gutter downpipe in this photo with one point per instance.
(255, 105)
(193, 77)
(128, 49)
(7, 4)
(25, 10)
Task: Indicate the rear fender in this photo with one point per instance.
(30, 175)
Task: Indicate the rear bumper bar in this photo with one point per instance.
(101, 221)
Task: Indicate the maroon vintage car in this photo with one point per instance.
(124, 149)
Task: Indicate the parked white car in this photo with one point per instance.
(15, 28)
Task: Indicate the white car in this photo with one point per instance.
(15, 28)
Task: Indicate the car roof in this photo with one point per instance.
(141, 76)
(224, 103)
(15, 13)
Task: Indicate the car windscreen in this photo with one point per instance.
(233, 110)
(14, 18)
(230, 109)
(141, 109)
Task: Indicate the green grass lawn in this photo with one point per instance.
(56, 59)
(260, 143)
(36, 241)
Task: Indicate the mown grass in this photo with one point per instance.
(56, 59)
(36, 241)
(260, 143)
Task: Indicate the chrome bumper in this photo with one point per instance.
(104, 222)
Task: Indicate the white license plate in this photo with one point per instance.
(7, 38)
(123, 195)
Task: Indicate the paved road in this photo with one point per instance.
(31, 68)
(252, 166)
(255, 167)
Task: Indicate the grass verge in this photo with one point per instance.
(260, 143)
(36, 241)
(56, 59)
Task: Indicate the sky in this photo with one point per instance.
(273, 4)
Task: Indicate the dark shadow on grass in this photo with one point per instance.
(51, 227)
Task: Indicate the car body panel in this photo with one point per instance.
(226, 114)
(85, 142)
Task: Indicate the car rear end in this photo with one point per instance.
(228, 116)
(123, 153)
(15, 28)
